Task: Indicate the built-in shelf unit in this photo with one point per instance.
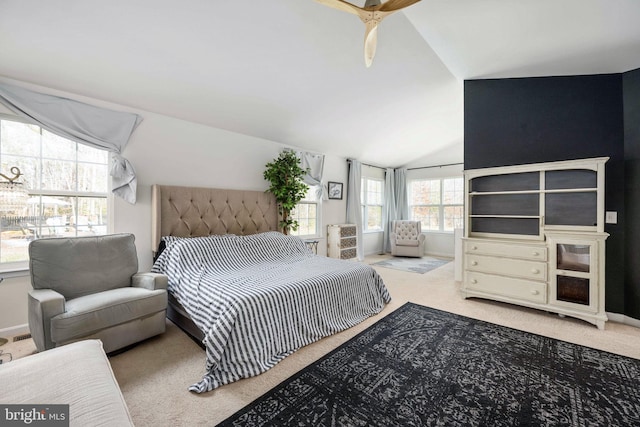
(534, 236)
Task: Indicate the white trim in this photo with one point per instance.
(14, 330)
(624, 319)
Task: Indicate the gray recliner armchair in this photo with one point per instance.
(406, 238)
(89, 287)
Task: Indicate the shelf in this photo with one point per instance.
(490, 193)
(506, 216)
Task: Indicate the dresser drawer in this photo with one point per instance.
(531, 252)
(348, 231)
(349, 242)
(507, 266)
(508, 287)
(348, 253)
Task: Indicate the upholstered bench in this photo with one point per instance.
(77, 374)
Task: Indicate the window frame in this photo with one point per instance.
(308, 201)
(364, 204)
(19, 268)
(441, 205)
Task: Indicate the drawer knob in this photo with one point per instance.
(474, 281)
(535, 271)
(474, 247)
(536, 253)
(534, 292)
(474, 262)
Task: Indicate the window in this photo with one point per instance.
(67, 184)
(437, 203)
(306, 213)
(372, 200)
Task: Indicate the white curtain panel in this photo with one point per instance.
(314, 163)
(354, 205)
(93, 126)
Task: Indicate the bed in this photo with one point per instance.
(250, 294)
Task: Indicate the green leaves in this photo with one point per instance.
(285, 176)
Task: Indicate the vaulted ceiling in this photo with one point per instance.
(292, 71)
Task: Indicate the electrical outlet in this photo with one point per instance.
(611, 217)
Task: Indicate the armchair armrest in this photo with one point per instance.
(151, 281)
(44, 304)
(421, 238)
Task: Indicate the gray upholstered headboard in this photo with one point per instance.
(195, 211)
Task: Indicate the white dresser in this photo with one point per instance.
(534, 236)
(341, 241)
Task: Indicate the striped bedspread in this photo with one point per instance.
(259, 298)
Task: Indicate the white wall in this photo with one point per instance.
(164, 150)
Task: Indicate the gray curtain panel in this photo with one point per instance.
(402, 200)
(354, 205)
(93, 126)
(388, 209)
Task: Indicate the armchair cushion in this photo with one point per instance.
(89, 314)
(81, 266)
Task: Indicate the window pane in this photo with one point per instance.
(453, 191)
(453, 217)
(56, 147)
(93, 155)
(91, 216)
(425, 192)
(429, 217)
(58, 175)
(29, 167)
(19, 138)
(306, 215)
(374, 217)
(374, 192)
(92, 177)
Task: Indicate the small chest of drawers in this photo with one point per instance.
(341, 241)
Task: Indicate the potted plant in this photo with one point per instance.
(285, 177)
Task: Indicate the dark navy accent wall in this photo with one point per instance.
(631, 97)
(543, 119)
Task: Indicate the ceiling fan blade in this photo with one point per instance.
(341, 5)
(394, 5)
(370, 42)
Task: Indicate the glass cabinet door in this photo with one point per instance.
(573, 278)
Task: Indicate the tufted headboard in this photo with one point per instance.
(196, 211)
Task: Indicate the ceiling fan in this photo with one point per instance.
(373, 12)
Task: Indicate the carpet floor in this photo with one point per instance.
(154, 376)
(420, 367)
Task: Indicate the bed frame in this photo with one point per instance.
(196, 211)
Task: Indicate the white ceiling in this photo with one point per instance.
(292, 71)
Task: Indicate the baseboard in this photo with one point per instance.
(621, 318)
(14, 330)
(439, 255)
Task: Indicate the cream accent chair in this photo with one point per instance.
(89, 287)
(406, 238)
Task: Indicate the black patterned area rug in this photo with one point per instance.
(414, 265)
(423, 367)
